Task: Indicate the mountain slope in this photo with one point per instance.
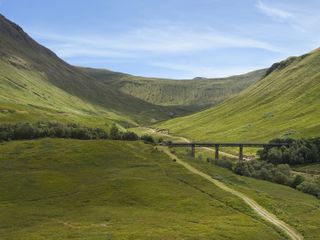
(35, 82)
(286, 103)
(195, 94)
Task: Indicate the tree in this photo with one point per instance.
(275, 155)
(130, 136)
(114, 132)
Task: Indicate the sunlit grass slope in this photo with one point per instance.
(195, 94)
(286, 103)
(26, 95)
(35, 81)
(113, 190)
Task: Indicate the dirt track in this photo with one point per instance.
(262, 212)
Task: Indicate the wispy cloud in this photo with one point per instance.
(147, 41)
(191, 70)
(272, 11)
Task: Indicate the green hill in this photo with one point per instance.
(192, 94)
(36, 84)
(286, 103)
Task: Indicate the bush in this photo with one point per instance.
(115, 132)
(266, 171)
(309, 187)
(281, 178)
(147, 138)
(223, 163)
(130, 136)
(297, 181)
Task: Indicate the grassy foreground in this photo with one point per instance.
(72, 189)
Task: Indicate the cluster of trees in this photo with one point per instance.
(21, 131)
(116, 134)
(49, 129)
(280, 174)
(266, 171)
(298, 152)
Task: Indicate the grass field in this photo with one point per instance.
(72, 189)
(286, 103)
(300, 210)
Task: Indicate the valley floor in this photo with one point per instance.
(73, 189)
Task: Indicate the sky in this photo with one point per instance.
(171, 38)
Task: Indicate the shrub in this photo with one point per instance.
(266, 171)
(265, 174)
(309, 187)
(297, 181)
(130, 136)
(281, 178)
(115, 132)
(223, 163)
(147, 138)
(242, 168)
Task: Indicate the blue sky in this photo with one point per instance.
(171, 38)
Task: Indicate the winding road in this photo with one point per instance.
(262, 212)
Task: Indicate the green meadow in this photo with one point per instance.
(73, 189)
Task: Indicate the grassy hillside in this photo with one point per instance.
(113, 190)
(286, 103)
(196, 93)
(33, 80)
(27, 96)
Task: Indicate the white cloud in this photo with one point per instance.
(273, 11)
(146, 41)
